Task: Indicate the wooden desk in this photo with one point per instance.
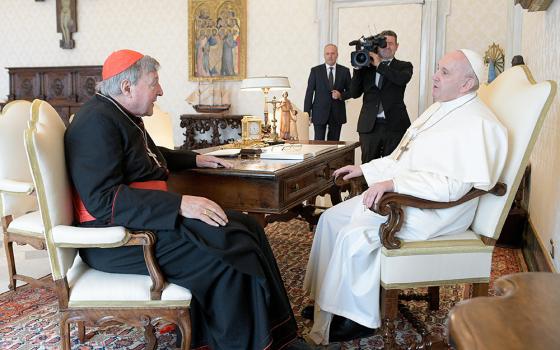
(525, 314)
(261, 187)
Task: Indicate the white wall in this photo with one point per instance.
(476, 24)
(541, 50)
(282, 37)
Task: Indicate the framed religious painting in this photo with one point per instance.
(217, 40)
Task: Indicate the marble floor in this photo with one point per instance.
(29, 261)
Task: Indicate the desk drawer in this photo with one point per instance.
(300, 185)
(346, 159)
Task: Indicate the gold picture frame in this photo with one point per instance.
(217, 40)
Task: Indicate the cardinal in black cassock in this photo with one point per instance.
(119, 174)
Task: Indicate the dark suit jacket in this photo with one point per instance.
(318, 100)
(395, 77)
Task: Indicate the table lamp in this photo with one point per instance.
(266, 84)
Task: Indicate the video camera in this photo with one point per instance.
(360, 58)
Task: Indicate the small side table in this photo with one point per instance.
(525, 314)
(221, 129)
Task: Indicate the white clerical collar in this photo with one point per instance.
(448, 105)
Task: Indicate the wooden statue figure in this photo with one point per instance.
(288, 119)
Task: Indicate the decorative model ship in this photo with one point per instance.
(208, 98)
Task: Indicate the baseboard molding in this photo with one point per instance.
(535, 254)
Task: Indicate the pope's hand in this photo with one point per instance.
(203, 209)
(376, 191)
(204, 161)
(349, 171)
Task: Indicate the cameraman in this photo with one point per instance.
(383, 118)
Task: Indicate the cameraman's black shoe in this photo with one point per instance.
(300, 344)
(308, 312)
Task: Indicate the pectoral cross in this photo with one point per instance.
(153, 156)
(403, 145)
(416, 128)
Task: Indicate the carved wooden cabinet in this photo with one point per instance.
(207, 130)
(65, 88)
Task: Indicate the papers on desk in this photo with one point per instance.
(294, 151)
(285, 151)
(226, 152)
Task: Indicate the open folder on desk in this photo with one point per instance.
(295, 151)
(225, 152)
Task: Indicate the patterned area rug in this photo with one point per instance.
(28, 318)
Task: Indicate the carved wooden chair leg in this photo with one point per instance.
(81, 332)
(479, 290)
(467, 291)
(433, 298)
(389, 303)
(184, 323)
(9, 248)
(151, 341)
(388, 334)
(65, 332)
(389, 312)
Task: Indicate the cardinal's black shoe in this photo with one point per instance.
(307, 312)
(344, 329)
(300, 344)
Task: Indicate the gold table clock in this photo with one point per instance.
(251, 129)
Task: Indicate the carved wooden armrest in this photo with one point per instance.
(391, 204)
(147, 240)
(355, 185)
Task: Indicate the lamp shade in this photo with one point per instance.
(259, 83)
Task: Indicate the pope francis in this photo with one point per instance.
(455, 145)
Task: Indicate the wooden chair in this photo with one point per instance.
(87, 296)
(21, 221)
(521, 105)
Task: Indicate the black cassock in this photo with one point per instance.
(239, 300)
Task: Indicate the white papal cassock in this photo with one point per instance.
(452, 147)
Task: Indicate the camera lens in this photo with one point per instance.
(362, 58)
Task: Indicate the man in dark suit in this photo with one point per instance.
(383, 118)
(328, 87)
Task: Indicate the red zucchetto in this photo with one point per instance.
(119, 61)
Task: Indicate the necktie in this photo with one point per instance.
(331, 78)
(379, 85)
(379, 82)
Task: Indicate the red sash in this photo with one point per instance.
(82, 215)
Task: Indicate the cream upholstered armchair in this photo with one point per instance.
(87, 296)
(21, 221)
(160, 128)
(521, 105)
